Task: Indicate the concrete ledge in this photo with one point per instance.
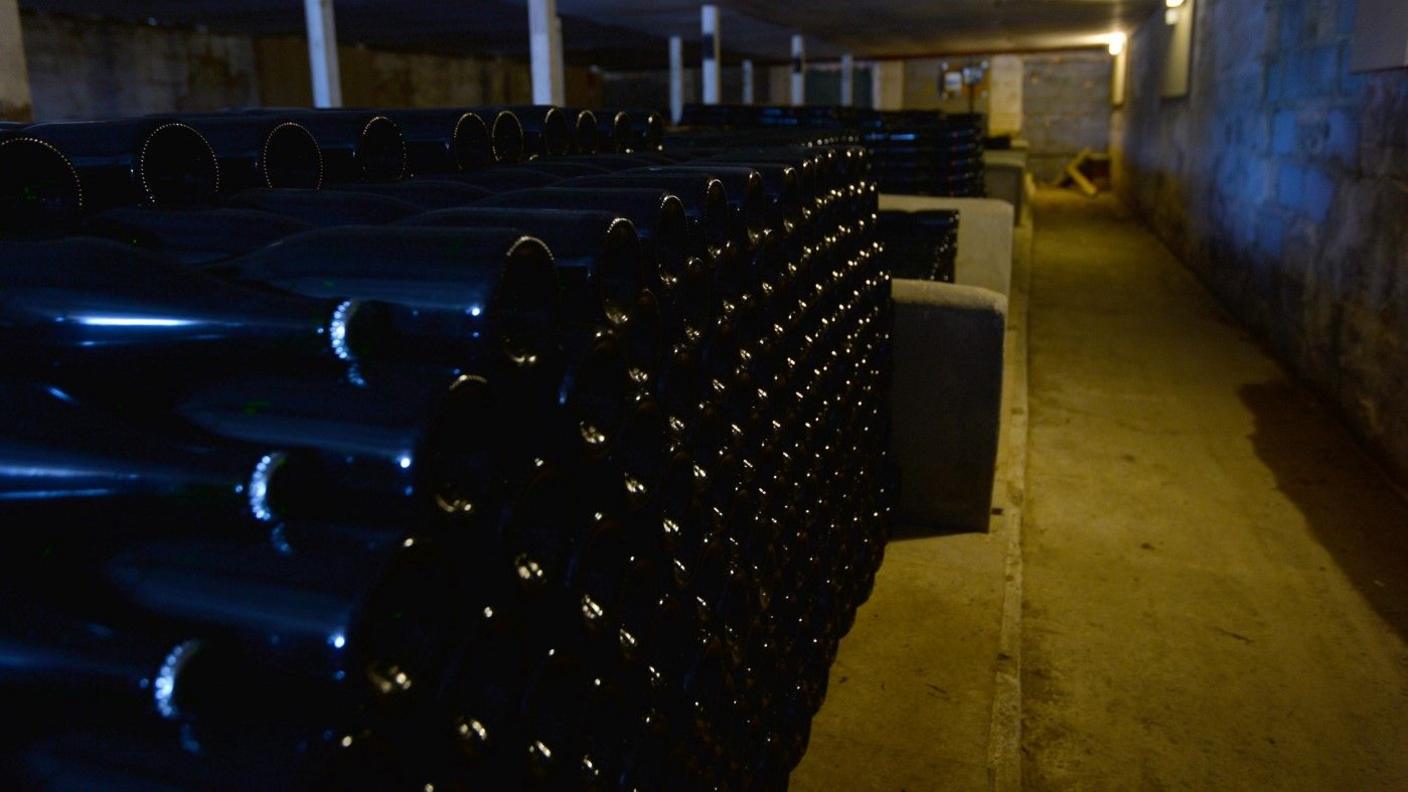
(984, 236)
(947, 401)
(1004, 175)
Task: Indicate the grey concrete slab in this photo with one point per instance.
(946, 402)
(984, 236)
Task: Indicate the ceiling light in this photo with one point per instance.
(1115, 42)
(1173, 3)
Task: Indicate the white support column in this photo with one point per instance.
(887, 85)
(748, 81)
(799, 71)
(676, 79)
(322, 53)
(848, 80)
(15, 99)
(545, 49)
(559, 76)
(710, 50)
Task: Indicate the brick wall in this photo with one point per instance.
(1282, 181)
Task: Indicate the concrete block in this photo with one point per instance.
(946, 402)
(984, 236)
(1004, 177)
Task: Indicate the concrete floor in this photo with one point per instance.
(1202, 579)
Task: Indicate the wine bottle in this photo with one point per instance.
(567, 167)
(805, 165)
(40, 191)
(645, 342)
(62, 660)
(68, 463)
(594, 393)
(444, 140)
(495, 287)
(585, 139)
(326, 207)
(258, 151)
(135, 161)
(553, 715)
(547, 132)
(121, 759)
(782, 182)
(408, 444)
(659, 218)
(647, 128)
(615, 162)
(597, 255)
(704, 198)
(504, 178)
(104, 317)
(506, 132)
(359, 613)
(744, 187)
(193, 236)
(613, 131)
(357, 146)
(427, 193)
(478, 708)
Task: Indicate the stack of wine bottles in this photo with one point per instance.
(921, 245)
(916, 152)
(927, 153)
(431, 449)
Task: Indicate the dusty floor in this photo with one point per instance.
(1213, 578)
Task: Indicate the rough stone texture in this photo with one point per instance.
(1065, 103)
(1282, 180)
(1065, 108)
(83, 68)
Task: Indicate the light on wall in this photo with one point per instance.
(1170, 16)
(1115, 42)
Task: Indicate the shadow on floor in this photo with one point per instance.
(1354, 512)
(905, 531)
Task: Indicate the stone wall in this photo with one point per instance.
(1282, 180)
(84, 68)
(80, 68)
(1065, 108)
(1065, 103)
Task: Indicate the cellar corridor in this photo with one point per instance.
(1216, 587)
(1213, 576)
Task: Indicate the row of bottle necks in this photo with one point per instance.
(167, 159)
(60, 170)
